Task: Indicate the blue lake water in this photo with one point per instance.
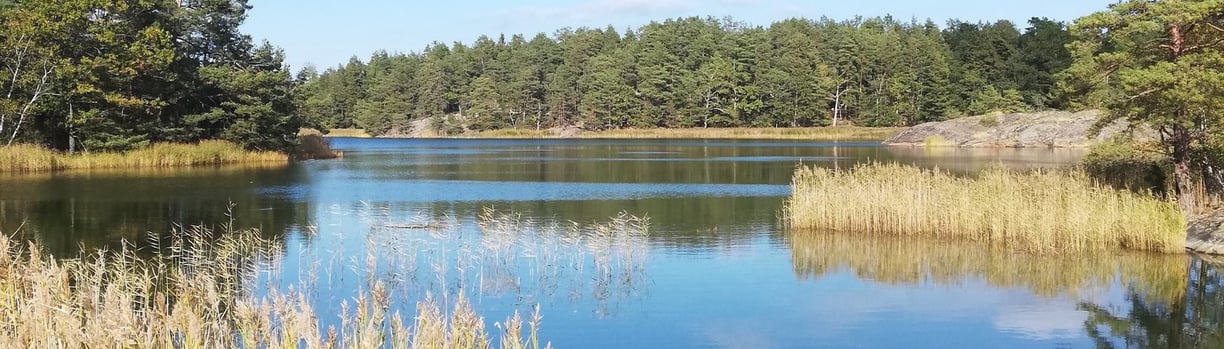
(513, 224)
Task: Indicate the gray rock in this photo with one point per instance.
(1205, 234)
(566, 131)
(1054, 129)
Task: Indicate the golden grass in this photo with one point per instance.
(29, 158)
(348, 132)
(913, 260)
(809, 133)
(194, 294)
(1039, 211)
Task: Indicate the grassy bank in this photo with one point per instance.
(1042, 211)
(195, 295)
(28, 158)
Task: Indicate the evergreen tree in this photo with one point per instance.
(702, 72)
(1159, 63)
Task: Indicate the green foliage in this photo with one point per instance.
(1124, 164)
(989, 120)
(1159, 63)
(116, 75)
(702, 72)
(990, 100)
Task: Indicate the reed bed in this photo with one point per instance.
(196, 293)
(1042, 211)
(507, 254)
(806, 133)
(917, 260)
(29, 158)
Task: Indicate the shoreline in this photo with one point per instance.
(839, 133)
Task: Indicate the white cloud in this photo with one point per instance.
(1043, 320)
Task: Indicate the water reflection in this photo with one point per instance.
(1194, 320)
(901, 260)
(972, 160)
(1171, 301)
(495, 256)
(70, 210)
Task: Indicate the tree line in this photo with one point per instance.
(702, 72)
(95, 75)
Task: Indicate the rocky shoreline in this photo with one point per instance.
(1052, 129)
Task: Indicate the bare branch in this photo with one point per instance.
(1213, 26)
(1145, 93)
(38, 92)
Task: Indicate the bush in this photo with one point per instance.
(1124, 164)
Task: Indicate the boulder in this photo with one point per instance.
(1053, 129)
(1205, 234)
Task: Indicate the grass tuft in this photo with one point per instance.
(1038, 211)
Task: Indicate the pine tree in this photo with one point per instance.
(1159, 63)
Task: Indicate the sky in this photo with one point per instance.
(328, 32)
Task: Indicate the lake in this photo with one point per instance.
(640, 244)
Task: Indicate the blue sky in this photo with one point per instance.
(328, 32)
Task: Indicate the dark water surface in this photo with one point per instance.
(715, 270)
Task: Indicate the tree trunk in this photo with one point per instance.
(1183, 182)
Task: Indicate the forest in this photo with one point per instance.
(113, 75)
(702, 72)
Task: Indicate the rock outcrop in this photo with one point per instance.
(1205, 234)
(1053, 129)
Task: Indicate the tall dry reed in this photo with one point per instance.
(195, 293)
(28, 158)
(1039, 211)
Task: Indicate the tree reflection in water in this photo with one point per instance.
(1193, 320)
(1171, 301)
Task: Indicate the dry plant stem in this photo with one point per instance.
(194, 293)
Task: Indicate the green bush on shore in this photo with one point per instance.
(1127, 165)
(312, 146)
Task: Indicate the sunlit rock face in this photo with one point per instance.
(1206, 234)
(1056, 129)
